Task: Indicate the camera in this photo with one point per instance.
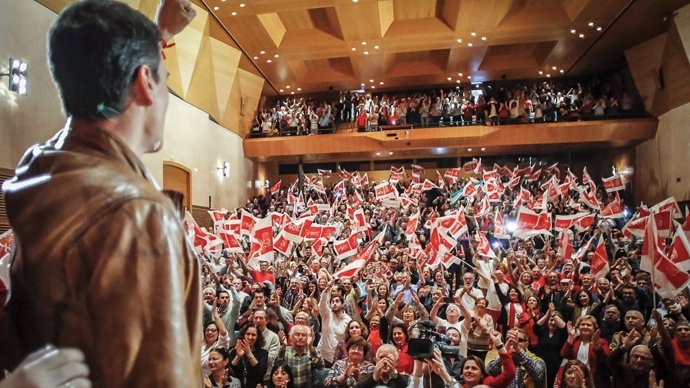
(426, 339)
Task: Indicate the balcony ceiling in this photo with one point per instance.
(308, 46)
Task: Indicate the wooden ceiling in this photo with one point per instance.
(307, 46)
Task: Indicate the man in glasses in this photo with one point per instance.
(530, 370)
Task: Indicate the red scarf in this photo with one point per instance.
(681, 353)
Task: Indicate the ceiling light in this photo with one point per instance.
(459, 40)
(548, 76)
(581, 36)
(364, 43)
(366, 53)
(378, 154)
(292, 92)
(381, 83)
(599, 28)
(262, 52)
(541, 72)
(591, 24)
(223, 1)
(562, 71)
(459, 74)
(449, 78)
(354, 49)
(216, 8)
(473, 33)
(255, 57)
(390, 152)
(483, 37)
(457, 81)
(554, 67)
(234, 13)
(269, 61)
(483, 148)
(373, 86)
(241, 5)
(281, 90)
(276, 56)
(469, 150)
(287, 87)
(355, 1)
(371, 80)
(573, 31)
(469, 45)
(376, 47)
(469, 77)
(299, 89)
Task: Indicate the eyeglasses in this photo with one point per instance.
(523, 340)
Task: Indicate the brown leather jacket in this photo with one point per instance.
(102, 263)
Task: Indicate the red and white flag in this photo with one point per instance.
(276, 187)
(247, 221)
(534, 176)
(669, 279)
(530, 224)
(384, 190)
(364, 181)
(499, 228)
(669, 204)
(679, 251)
(484, 248)
(600, 261)
(417, 173)
(565, 245)
(488, 175)
(614, 183)
(565, 221)
(344, 174)
(585, 222)
(650, 246)
(471, 165)
(553, 170)
(262, 240)
(232, 245)
(282, 245)
(347, 247)
(324, 173)
(452, 174)
(589, 198)
(612, 210)
(428, 185)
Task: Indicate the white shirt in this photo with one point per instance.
(333, 328)
(467, 300)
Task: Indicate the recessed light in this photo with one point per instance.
(581, 36)
(459, 74)
(376, 47)
(299, 89)
(390, 152)
(548, 76)
(573, 31)
(473, 33)
(292, 92)
(287, 87)
(459, 40)
(223, 1)
(554, 67)
(541, 72)
(483, 37)
(449, 78)
(562, 71)
(234, 13)
(255, 57)
(371, 80)
(599, 28)
(262, 52)
(457, 81)
(378, 154)
(373, 86)
(469, 77)
(354, 49)
(483, 148)
(469, 45)
(216, 8)
(381, 83)
(591, 24)
(364, 43)
(276, 56)
(469, 150)
(281, 90)
(241, 4)
(269, 61)
(366, 53)
(355, 1)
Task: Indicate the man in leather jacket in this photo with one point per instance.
(101, 262)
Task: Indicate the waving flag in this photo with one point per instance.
(565, 246)
(276, 187)
(600, 261)
(262, 240)
(530, 224)
(452, 174)
(232, 245)
(428, 185)
(679, 251)
(384, 190)
(612, 210)
(282, 245)
(669, 204)
(484, 248)
(324, 173)
(565, 221)
(614, 183)
(499, 229)
(417, 172)
(347, 247)
(471, 165)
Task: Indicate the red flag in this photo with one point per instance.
(247, 222)
(428, 185)
(679, 251)
(351, 269)
(614, 183)
(417, 172)
(230, 242)
(484, 248)
(364, 181)
(384, 190)
(452, 174)
(565, 246)
(231, 226)
(282, 245)
(340, 186)
(649, 245)
(668, 278)
(471, 165)
(262, 240)
(669, 204)
(347, 247)
(344, 174)
(218, 215)
(585, 222)
(412, 224)
(566, 221)
(530, 224)
(327, 232)
(276, 188)
(553, 169)
(612, 210)
(600, 261)
(499, 229)
(488, 175)
(324, 173)
(312, 232)
(589, 198)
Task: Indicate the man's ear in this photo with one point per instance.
(143, 86)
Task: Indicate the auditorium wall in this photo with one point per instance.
(661, 70)
(191, 138)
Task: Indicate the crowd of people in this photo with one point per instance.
(546, 100)
(351, 284)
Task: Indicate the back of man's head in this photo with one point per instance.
(94, 50)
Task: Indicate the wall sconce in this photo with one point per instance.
(18, 76)
(224, 169)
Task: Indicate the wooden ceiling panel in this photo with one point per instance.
(326, 20)
(353, 31)
(414, 9)
(299, 19)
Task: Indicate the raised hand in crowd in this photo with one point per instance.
(173, 16)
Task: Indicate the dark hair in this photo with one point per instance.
(585, 371)
(286, 368)
(95, 48)
(222, 351)
(576, 300)
(358, 341)
(478, 361)
(259, 337)
(402, 327)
